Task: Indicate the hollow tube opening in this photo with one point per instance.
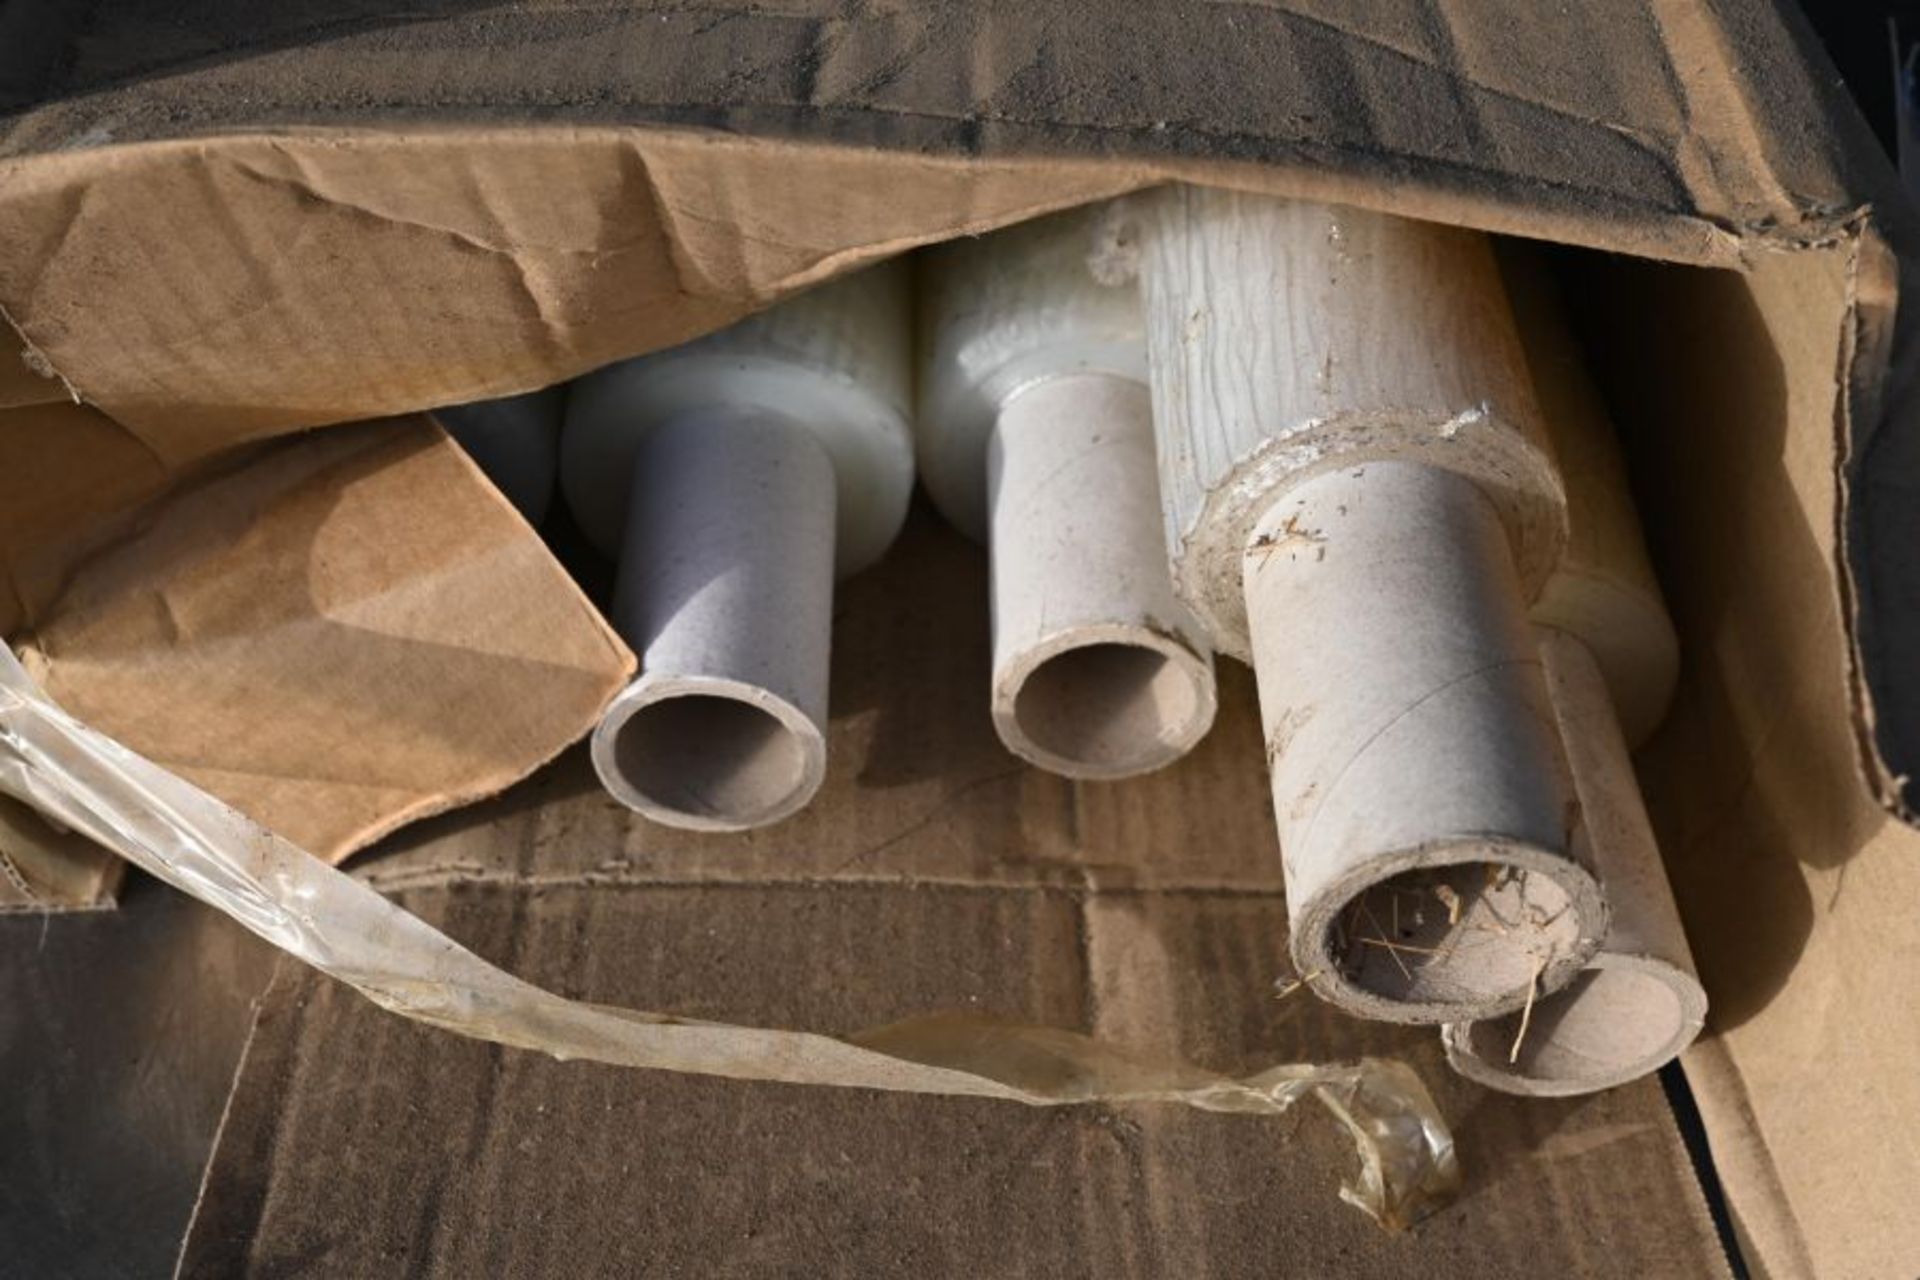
(1611, 1023)
(711, 758)
(1472, 932)
(1111, 708)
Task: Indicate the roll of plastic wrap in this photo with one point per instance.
(1611, 657)
(1360, 499)
(1035, 433)
(733, 477)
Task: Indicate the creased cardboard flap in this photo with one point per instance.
(336, 634)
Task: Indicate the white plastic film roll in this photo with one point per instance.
(1359, 499)
(733, 477)
(1035, 434)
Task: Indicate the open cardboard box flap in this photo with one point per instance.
(223, 225)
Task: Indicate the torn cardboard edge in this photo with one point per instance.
(182, 835)
(1865, 363)
(27, 379)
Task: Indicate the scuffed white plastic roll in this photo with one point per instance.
(1639, 1001)
(733, 477)
(1001, 313)
(1035, 433)
(1359, 498)
(516, 441)
(1286, 338)
(835, 361)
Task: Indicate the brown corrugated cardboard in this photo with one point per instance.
(365, 216)
(277, 192)
(70, 471)
(121, 1067)
(336, 634)
(357, 1144)
(336, 637)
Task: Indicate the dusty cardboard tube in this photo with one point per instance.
(1415, 777)
(516, 441)
(1035, 435)
(726, 587)
(1621, 1018)
(734, 478)
(1088, 682)
(1639, 1001)
(1360, 500)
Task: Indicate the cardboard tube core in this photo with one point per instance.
(1620, 1019)
(1425, 813)
(1109, 709)
(713, 756)
(726, 588)
(1477, 930)
(1638, 1003)
(1097, 673)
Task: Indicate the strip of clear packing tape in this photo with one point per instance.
(171, 829)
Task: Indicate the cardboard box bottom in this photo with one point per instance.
(359, 1144)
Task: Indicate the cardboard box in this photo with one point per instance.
(228, 225)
